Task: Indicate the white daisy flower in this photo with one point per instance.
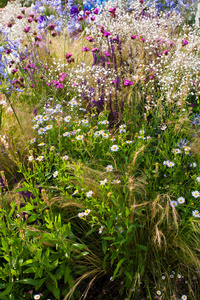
(195, 194)
(198, 179)
(163, 127)
(81, 215)
(193, 165)
(65, 157)
(165, 162)
(35, 126)
(80, 137)
(89, 194)
(114, 148)
(105, 135)
(101, 229)
(75, 192)
(105, 122)
(40, 158)
(30, 158)
(158, 293)
(66, 133)
(142, 131)
(41, 131)
(46, 118)
(173, 203)
(41, 144)
(109, 168)
(176, 151)
(67, 118)
(86, 212)
(85, 121)
(163, 277)
(103, 182)
(129, 142)
(170, 164)
(116, 181)
(181, 200)
(55, 174)
(37, 297)
(196, 213)
(48, 127)
(32, 140)
(179, 276)
(52, 148)
(184, 297)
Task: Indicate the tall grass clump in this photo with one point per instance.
(99, 151)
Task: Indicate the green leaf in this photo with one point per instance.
(142, 247)
(91, 231)
(128, 275)
(28, 207)
(118, 266)
(56, 292)
(27, 262)
(7, 290)
(28, 281)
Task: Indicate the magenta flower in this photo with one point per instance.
(38, 38)
(68, 55)
(9, 24)
(106, 34)
(19, 17)
(26, 29)
(133, 37)
(107, 53)
(166, 51)
(30, 20)
(96, 11)
(53, 33)
(87, 12)
(128, 82)
(101, 29)
(92, 18)
(85, 49)
(81, 18)
(51, 26)
(90, 39)
(95, 50)
(31, 14)
(23, 11)
(184, 42)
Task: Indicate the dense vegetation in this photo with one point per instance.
(100, 164)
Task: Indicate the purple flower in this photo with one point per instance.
(85, 49)
(31, 14)
(128, 82)
(92, 18)
(133, 37)
(53, 33)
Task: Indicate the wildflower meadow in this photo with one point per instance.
(100, 149)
